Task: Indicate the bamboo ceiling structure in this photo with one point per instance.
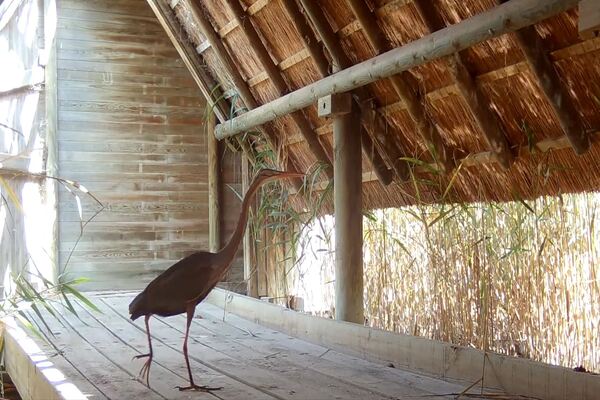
(512, 117)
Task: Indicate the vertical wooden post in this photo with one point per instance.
(347, 193)
(214, 185)
(250, 272)
(51, 100)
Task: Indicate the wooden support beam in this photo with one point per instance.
(168, 20)
(375, 146)
(347, 194)
(246, 96)
(549, 81)
(192, 60)
(250, 265)
(467, 87)
(214, 187)
(492, 23)
(222, 54)
(426, 128)
(308, 38)
(589, 19)
(276, 77)
(318, 56)
(334, 104)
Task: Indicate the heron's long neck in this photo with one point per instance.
(228, 252)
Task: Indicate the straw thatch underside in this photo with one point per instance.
(498, 67)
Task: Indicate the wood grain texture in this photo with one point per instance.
(248, 360)
(131, 129)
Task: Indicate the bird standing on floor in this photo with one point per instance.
(185, 284)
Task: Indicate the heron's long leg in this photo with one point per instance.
(145, 371)
(191, 308)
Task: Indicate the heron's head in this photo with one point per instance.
(271, 174)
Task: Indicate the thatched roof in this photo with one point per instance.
(514, 103)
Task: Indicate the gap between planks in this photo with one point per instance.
(302, 356)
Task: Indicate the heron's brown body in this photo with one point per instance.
(186, 283)
(194, 277)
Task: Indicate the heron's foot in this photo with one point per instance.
(145, 371)
(198, 388)
(142, 356)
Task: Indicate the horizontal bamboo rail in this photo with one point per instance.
(504, 18)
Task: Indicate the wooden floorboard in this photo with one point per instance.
(247, 360)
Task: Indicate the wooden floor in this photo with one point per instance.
(247, 360)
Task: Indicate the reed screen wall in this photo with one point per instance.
(518, 278)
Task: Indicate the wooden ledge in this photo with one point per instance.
(35, 370)
(434, 358)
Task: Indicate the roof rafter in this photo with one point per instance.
(191, 59)
(425, 126)
(276, 77)
(488, 157)
(376, 125)
(468, 89)
(481, 27)
(549, 81)
(316, 52)
(245, 95)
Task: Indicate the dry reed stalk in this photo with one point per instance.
(518, 278)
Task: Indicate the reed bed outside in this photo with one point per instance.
(517, 278)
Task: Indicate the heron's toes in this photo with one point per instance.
(141, 356)
(198, 388)
(145, 371)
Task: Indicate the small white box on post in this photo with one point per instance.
(335, 104)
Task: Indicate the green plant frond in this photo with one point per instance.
(415, 162)
(41, 318)
(24, 319)
(81, 298)
(452, 180)
(68, 304)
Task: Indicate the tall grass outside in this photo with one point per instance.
(519, 278)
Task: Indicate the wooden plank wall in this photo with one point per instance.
(231, 178)
(131, 129)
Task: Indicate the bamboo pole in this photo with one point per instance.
(51, 103)
(507, 17)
